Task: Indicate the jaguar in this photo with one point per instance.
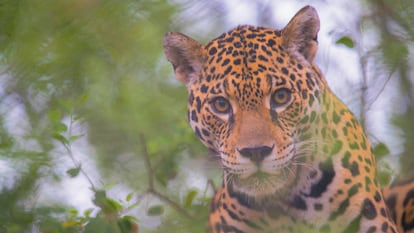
(294, 157)
(399, 198)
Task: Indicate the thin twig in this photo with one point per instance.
(381, 90)
(77, 164)
(137, 202)
(148, 167)
(211, 184)
(151, 188)
(364, 86)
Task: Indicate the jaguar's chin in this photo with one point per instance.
(259, 185)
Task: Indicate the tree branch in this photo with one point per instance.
(170, 202)
(151, 187)
(148, 167)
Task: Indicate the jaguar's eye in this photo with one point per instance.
(221, 105)
(280, 97)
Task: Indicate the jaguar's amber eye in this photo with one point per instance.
(280, 97)
(221, 105)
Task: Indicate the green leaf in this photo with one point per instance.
(155, 210)
(83, 98)
(87, 212)
(133, 205)
(394, 52)
(61, 139)
(108, 205)
(97, 224)
(73, 212)
(77, 118)
(73, 172)
(55, 115)
(129, 196)
(113, 205)
(100, 196)
(347, 41)
(190, 198)
(152, 147)
(127, 224)
(60, 127)
(75, 137)
(381, 150)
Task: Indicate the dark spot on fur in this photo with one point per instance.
(328, 173)
(368, 209)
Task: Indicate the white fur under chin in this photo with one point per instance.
(260, 185)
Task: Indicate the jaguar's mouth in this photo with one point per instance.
(260, 184)
(260, 175)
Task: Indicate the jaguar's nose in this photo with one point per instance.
(256, 154)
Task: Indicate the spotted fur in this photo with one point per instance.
(294, 158)
(400, 201)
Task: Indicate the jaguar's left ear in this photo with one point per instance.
(300, 36)
(185, 54)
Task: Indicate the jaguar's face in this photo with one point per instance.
(257, 142)
(250, 96)
(247, 105)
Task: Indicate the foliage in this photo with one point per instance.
(393, 53)
(347, 41)
(89, 71)
(384, 58)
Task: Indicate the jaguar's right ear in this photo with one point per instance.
(300, 36)
(185, 54)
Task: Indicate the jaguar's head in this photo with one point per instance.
(253, 95)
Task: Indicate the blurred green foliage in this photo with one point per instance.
(95, 65)
(393, 53)
(93, 71)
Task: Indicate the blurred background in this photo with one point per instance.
(93, 129)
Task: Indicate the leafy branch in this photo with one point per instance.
(151, 188)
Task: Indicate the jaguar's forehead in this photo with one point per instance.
(246, 49)
(247, 62)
